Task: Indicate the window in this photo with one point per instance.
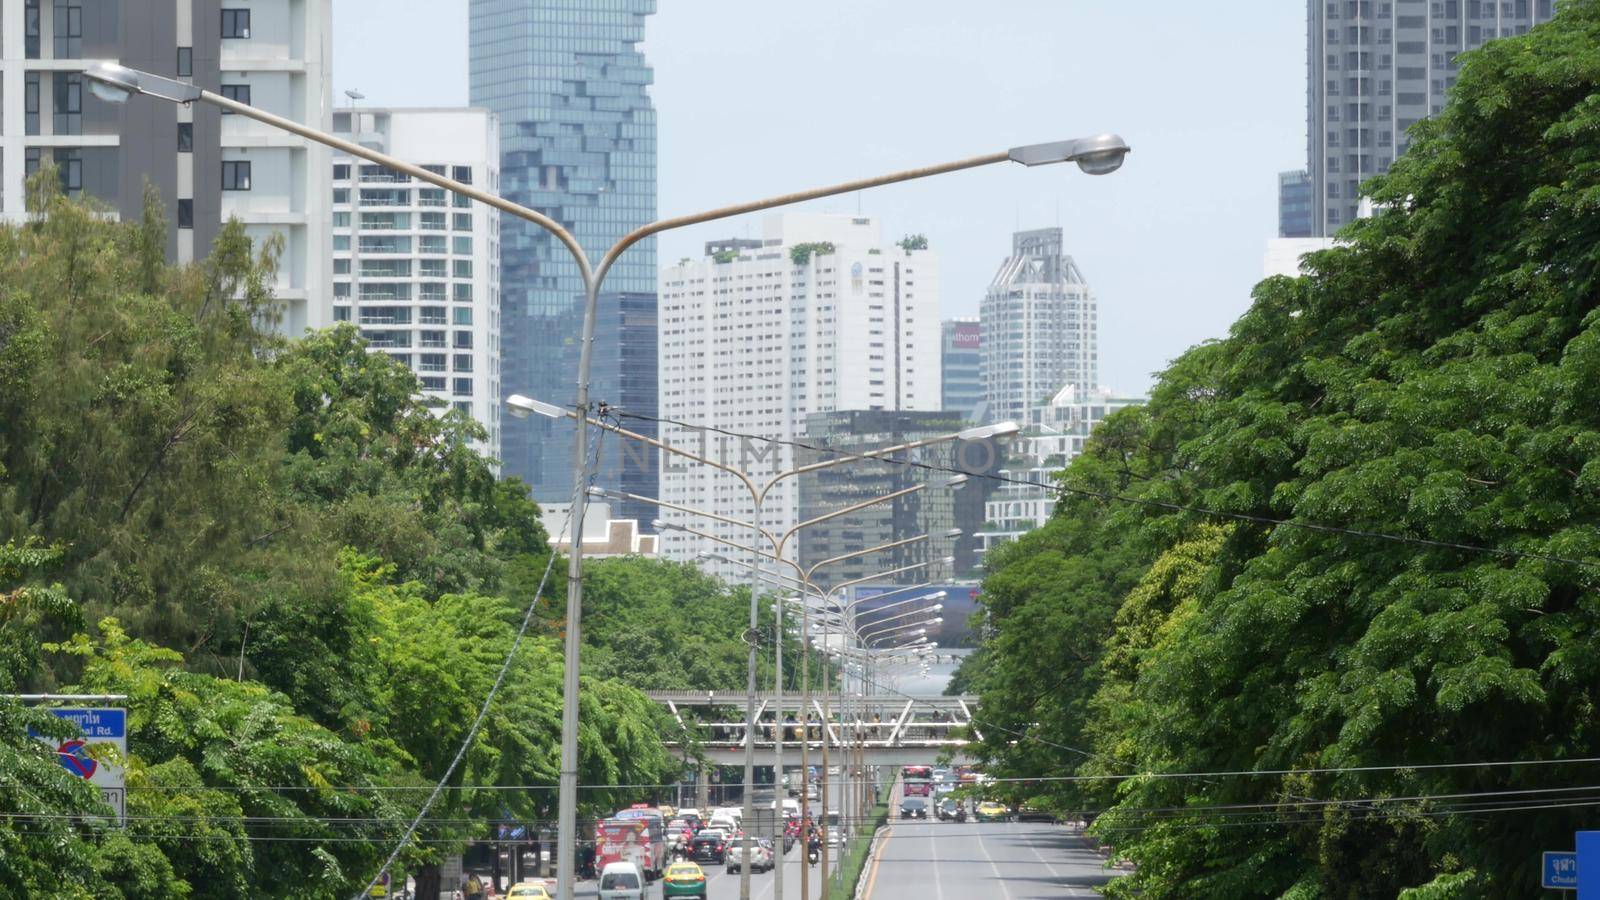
(431, 362)
(463, 340)
(236, 92)
(341, 195)
(461, 201)
(462, 291)
(431, 243)
(341, 289)
(463, 315)
(341, 242)
(236, 23)
(341, 267)
(68, 106)
(30, 102)
(463, 362)
(31, 28)
(341, 313)
(461, 244)
(185, 62)
(68, 23)
(185, 137)
(432, 221)
(185, 213)
(432, 383)
(341, 171)
(70, 167)
(462, 174)
(431, 268)
(461, 268)
(462, 222)
(430, 197)
(341, 220)
(235, 175)
(461, 387)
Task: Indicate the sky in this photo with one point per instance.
(756, 98)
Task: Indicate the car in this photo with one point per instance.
(710, 846)
(684, 879)
(913, 808)
(946, 810)
(991, 811)
(667, 810)
(835, 836)
(760, 857)
(1026, 813)
(528, 890)
(621, 881)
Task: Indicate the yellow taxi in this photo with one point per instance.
(684, 879)
(527, 890)
(990, 811)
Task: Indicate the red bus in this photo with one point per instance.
(917, 781)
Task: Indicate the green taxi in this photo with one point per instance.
(684, 879)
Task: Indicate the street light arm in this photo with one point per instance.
(663, 504)
(856, 507)
(867, 552)
(738, 209)
(522, 212)
(881, 454)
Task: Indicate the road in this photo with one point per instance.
(1004, 861)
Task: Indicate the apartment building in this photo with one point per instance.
(1040, 327)
(416, 267)
(208, 167)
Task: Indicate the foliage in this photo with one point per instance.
(913, 242)
(1436, 378)
(723, 257)
(800, 254)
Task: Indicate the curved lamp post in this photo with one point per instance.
(1096, 155)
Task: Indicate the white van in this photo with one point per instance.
(621, 881)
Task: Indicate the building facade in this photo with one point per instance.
(823, 316)
(577, 141)
(1294, 204)
(1377, 68)
(961, 366)
(1053, 435)
(416, 267)
(207, 167)
(1040, 327)
(933, 511)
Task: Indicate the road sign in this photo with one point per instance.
(100, 728)
(1560, 870)
(1588, 846)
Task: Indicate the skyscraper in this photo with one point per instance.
(208, 167)
(417, 267)
(1376, 69)
(961, 366)
(577, 141)
(823, 315)
(1040, 328)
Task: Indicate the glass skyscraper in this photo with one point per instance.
(578, 143)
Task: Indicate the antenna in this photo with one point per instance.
(354, 95)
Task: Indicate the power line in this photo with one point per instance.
(1124, 498)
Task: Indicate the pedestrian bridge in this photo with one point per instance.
(887, 730)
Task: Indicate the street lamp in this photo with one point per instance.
(116, 83)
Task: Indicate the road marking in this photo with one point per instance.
(872, 879)
(1027, 837)
(997, 876)
(938, 882)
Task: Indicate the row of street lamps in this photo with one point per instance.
(1097, 155)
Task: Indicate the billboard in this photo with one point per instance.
(960, 602)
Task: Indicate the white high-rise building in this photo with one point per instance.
(208, 167)
(820, 315)
(416, 267)
(1040, 327)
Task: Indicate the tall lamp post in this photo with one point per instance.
(1097, 155)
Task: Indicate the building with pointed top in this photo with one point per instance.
(1039, 327)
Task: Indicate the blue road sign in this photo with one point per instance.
(1588, 844)
(1560, 870)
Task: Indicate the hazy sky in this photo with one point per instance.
(759, 97)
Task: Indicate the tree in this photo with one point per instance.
(913, 242)
(1434, 379)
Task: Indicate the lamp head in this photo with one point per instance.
(953, 533)
(1100, 154)
(115, 83)
(522, 407)
(957, 481)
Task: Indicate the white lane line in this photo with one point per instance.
(1027, 838)
(938, 881)
(996, 869)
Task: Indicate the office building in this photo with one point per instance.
(933, 511)
(1039, 326)
(1053, 434)
(416, 267)
(823, 316)
(577, 141)
(1377, 68)
(1294, 204)
(208, 167)
(961, 366)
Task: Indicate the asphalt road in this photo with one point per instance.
(1004, 861)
